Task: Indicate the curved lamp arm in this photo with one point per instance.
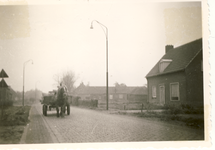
(102, 26)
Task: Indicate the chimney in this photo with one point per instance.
(168, 47)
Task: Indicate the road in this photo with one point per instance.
(85, 125)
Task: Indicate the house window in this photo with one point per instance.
(121, 96)
(174, 91)
(154, 92)
(163, 64)
(110, 96)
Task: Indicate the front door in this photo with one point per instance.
(162, 94)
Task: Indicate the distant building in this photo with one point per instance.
(118, 95)
(177, 78)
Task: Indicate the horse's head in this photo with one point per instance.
(62, 93)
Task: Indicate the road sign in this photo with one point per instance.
(3, 74)
(3, 83)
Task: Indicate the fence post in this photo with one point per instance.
(142, 108)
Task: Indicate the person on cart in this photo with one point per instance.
(64, 87)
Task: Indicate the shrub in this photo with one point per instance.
(153, 106)
(172, 109)
(189, 109)
(186, 106)
(85, 103)
(75, 101)
(148, 106)
(7, 103)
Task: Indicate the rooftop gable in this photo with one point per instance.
(111, 90)
(181, 57)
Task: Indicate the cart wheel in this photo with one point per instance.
(68, 109)
(64, 110)
(57, 111)
(45, 110)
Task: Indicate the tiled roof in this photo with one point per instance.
(140, 91)
(181, 57)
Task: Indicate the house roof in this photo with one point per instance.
(140, 91)
(102, 90)
(3, 83)
(181, 57)
(11, 90)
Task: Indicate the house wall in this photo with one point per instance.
(84, 96)
(116, 96)
(135, 101)
(165, 80)
(194, 76)
(6, 96)
(137, 98)
(97, 96)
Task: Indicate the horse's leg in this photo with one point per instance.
(62, 111)
(57, 108)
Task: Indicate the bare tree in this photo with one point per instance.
(68, 78)
(119, 85)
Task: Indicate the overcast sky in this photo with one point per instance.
(58, 38)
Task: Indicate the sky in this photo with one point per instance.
(56, 35)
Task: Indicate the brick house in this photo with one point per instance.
(177, 78)
(118, 95)
(7, 94)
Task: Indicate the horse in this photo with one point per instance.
(61, 101)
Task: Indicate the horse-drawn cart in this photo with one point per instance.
(50, 101)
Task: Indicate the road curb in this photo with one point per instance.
(51, 132)
(22, 140)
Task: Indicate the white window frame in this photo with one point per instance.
(178, 91)
(154, 96)
(120, 96)
(162, 62)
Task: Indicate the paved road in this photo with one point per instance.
(84, 125)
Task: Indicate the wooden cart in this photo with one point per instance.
(49, 102)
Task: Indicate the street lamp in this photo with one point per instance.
(105, 29)
(36, 90)
(24, 79)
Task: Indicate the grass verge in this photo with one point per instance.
(12, 124)
(191, 120)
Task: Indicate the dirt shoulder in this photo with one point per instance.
(194, 121)
(12, 124)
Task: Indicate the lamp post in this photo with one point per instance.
(105, 29)
(24, 79)
(36, 90)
